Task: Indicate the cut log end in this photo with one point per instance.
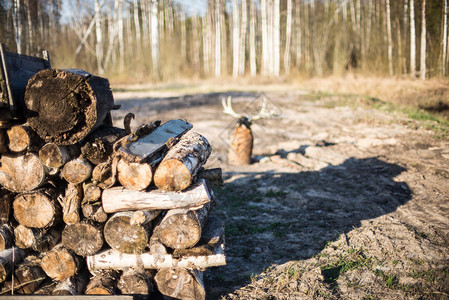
(172, 175)
(83, 238)
(134, 176)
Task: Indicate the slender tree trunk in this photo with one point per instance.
(288, 37)
(243, 38)
(121, 43)
(252, 38)
(235, 39)
(155, 37)
(423, 53)
(17, 22)
(137, 22)
(298, 33)
(390, 46)
(99, 38)
(217, 38)
(263, 7)
(443, 59)
(412, 40)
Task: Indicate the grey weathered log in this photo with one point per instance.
(23, 138)
(120, 199)
(149, 144)
(104, 174)
(97, 147)
(56, 156)
(124, 237)
(22, 173)
(181, 283)
(182, 162)
(182, 228)
(64, 106)
(77, 171)
(38, 209)
(6, 198)
(71, 286)
(135, 281)
(84, 238)
(133, 175)
(71, 203)
(6, 236)
(40, 240)
(141, 217)
(61, 263)
(103, 283)
(9, 258)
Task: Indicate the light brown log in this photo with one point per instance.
(84, 238)
(40, 240)
(104, 175)
(141, 217)
(71, 203)
(182, 162)
(9, 258)
(64, 106)
(97, 147)
(95, 212)
(72, 286)
(103, 283)
(56, 156)
(241, 145)
(77, 171)
(124, 237)
(22, 173)
(120, 199)
(38, 209)
(134, 176)
(28, 276)
(6, 198)
(115, 260)
(23, 138)
(182, 228)
(6, 236)
(135, 282)
(61, 263)
(181, 283)
(92, 193)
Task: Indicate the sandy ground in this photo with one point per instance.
(341, 201)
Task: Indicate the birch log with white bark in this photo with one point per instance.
(423, 52)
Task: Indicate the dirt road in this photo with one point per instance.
(342, 201)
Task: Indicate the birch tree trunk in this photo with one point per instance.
(121, 43)
(390, 46)
(264, 37)
(17, 22)
(412, 40)
(443, 59)
(155, 37)
(276, 38)
(217, 38)
(243, 38)
(423, 53)
(137, 22)
(235, 39)
(99, 38)
(288, 37)
(252, 38)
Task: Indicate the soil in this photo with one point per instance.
(342, 201)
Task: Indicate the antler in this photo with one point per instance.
(227, 107)
(263, 112)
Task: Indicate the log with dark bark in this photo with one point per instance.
(6, 198)
(97, 147)
(22, 173)
(61, 263)
(46, 288)
(103, 283)
(104, 174)
(40, 240)
(141, 217)
(124, 237)
(56, 156)
(6, 236)
(8, 259)
(213, 176)
(28, 276)
(151, 141)
(182, 228)
(182, 162)
(71, 203)
(77, 171)
(64, 106)
(3, 139)
(23, 138)
(120, 199)
(38, 209)
(84, 238)
(72, 286)
(181, 283)
(134, 176)
(135, 282)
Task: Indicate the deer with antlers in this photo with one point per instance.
(241, 140)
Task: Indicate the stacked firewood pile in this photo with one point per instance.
(89, 208)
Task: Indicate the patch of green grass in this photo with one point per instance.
(391, 280)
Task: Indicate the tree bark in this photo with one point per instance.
(40, 240)
(181, 283)
(22, 138)
(135, 282)
(77, 171)
(61, 263)
(6, 236)
(412, 39)
(390, 45)
(65, 106)
(444, 42)
(56, 156)
(84, 238)
(181, 164)
(22, 173)
(98, 146)
(119, 199)
(28, 276)
(9, 258)
(72, 286)
(134, 176)
(423, 52)
(103, 283)
(141, 217)
(288, 37)
(124, 237)
(181, 228)
(6, 198)
(38, 209)
(213, 176)
(235, 39)
(71, 203)
(104, 174)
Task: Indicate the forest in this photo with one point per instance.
(174, 39)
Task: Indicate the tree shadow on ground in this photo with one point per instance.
(272, 218)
